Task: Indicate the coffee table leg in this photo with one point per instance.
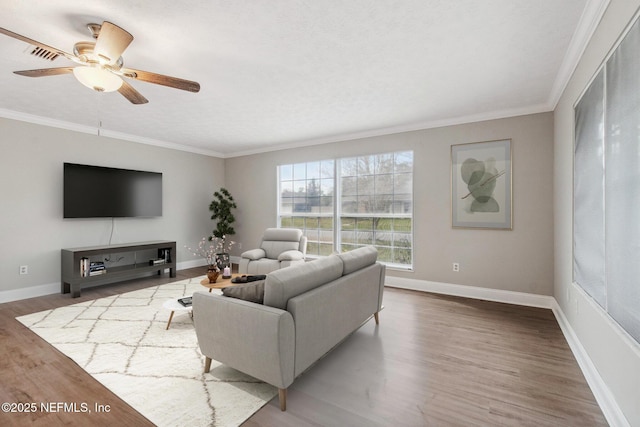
(169, 322)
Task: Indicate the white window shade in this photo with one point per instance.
(607, 186)
(622, 183)
(588, 182)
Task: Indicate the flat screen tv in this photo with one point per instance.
(102, 192)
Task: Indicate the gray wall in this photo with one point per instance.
(615, 355)
(32, 230)
(520, 260)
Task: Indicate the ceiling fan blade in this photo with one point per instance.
(47, 52)
(112, 41)
(44, 72)
(131, 94)
(160, 79)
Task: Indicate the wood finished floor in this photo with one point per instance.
(433, 361)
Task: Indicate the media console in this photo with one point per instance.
(74, 279)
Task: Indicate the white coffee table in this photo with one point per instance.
(174, 305)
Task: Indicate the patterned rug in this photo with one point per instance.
(123, 343)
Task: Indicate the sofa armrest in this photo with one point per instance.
(292, 255)
(254, 254)
(255, 339)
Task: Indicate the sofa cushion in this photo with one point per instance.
(291, 281)
(251, 291)
(358, 258)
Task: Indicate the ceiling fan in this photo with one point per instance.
(100, 64)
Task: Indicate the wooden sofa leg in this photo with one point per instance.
(375, 316)
(282, 395)
(207, 364)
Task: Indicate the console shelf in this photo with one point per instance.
(73, 280)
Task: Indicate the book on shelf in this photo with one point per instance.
(84, 266)
(97, 268)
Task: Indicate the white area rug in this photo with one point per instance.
(122, 342)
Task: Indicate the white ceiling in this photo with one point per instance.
(284, 73)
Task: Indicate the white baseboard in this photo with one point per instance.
(30, 292)
(601, 392)
(496, 295)
(192, 264)
(54, 288)
(199, 263)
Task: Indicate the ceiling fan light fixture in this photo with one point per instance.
(97, 78)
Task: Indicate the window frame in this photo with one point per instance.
(337, 215)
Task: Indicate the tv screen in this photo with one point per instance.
(100, 192)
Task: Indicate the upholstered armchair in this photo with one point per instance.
(279, 248)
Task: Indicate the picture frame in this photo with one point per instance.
(481, 187)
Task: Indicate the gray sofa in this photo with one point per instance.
(308, 309)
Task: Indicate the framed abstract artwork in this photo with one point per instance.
(481, 185)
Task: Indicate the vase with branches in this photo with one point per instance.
(210, 250)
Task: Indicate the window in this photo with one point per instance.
(346, 203)
(307, 202)
(606, 192)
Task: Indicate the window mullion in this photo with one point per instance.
(337, 194)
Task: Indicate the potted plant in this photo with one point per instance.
(221, 207)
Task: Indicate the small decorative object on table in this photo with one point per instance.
(211, 250)
(226, 273)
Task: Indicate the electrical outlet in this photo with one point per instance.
(24, 269)
(456, 267)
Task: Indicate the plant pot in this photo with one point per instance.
(212, 275)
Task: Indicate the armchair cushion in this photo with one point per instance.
(273, 248)
(282, 234)
(277, 240)
(252, 291)
(254, 254)
(291, 255)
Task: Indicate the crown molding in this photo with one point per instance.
(92, 130)
(158, 143)
(591, 16)
(46, 121)
(430, 124)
